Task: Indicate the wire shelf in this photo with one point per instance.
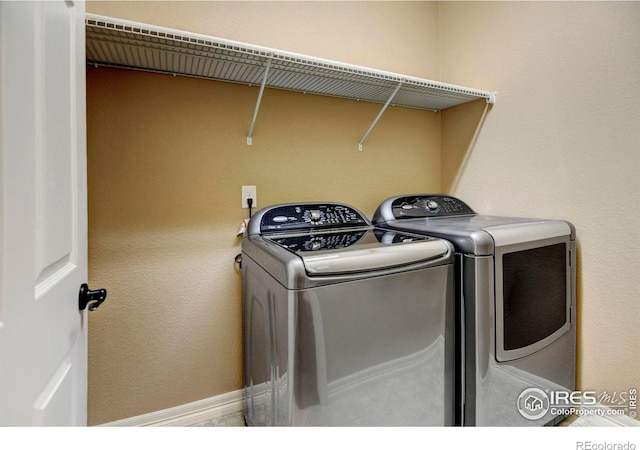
(124, 44)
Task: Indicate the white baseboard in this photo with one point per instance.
(188, 414)
(597, 421)
(599, 415)
(231, 402)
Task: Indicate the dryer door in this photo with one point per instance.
(534, 286)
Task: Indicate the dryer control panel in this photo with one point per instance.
(428, 206)
(310, 216)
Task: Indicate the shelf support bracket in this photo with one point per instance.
(395, 91)
(257, 108)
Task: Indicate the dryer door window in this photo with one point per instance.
(534, 294)
(533, 297)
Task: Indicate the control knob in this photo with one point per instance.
(432, 205)
(314, 215)
(314, 244)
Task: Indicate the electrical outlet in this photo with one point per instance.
(249, 192)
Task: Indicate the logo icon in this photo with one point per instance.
(533, 403)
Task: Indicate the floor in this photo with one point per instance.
(237, 420)
(230, 420)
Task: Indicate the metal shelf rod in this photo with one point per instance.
(118, 32)
(114, 42)
(375, 121)
(255, 112)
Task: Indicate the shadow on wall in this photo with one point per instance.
(579, 318)
(461, 126)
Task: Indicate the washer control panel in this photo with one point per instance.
(428, 206)
(332, 240)
(322, 241)
(310, 216)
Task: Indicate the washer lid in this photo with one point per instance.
(360, 250)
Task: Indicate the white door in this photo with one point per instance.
(43, 223)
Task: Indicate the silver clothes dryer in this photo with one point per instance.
(345, 324)
(515, 308)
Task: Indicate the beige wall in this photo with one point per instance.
(167, 157)
(562, 141)
(364, 33)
